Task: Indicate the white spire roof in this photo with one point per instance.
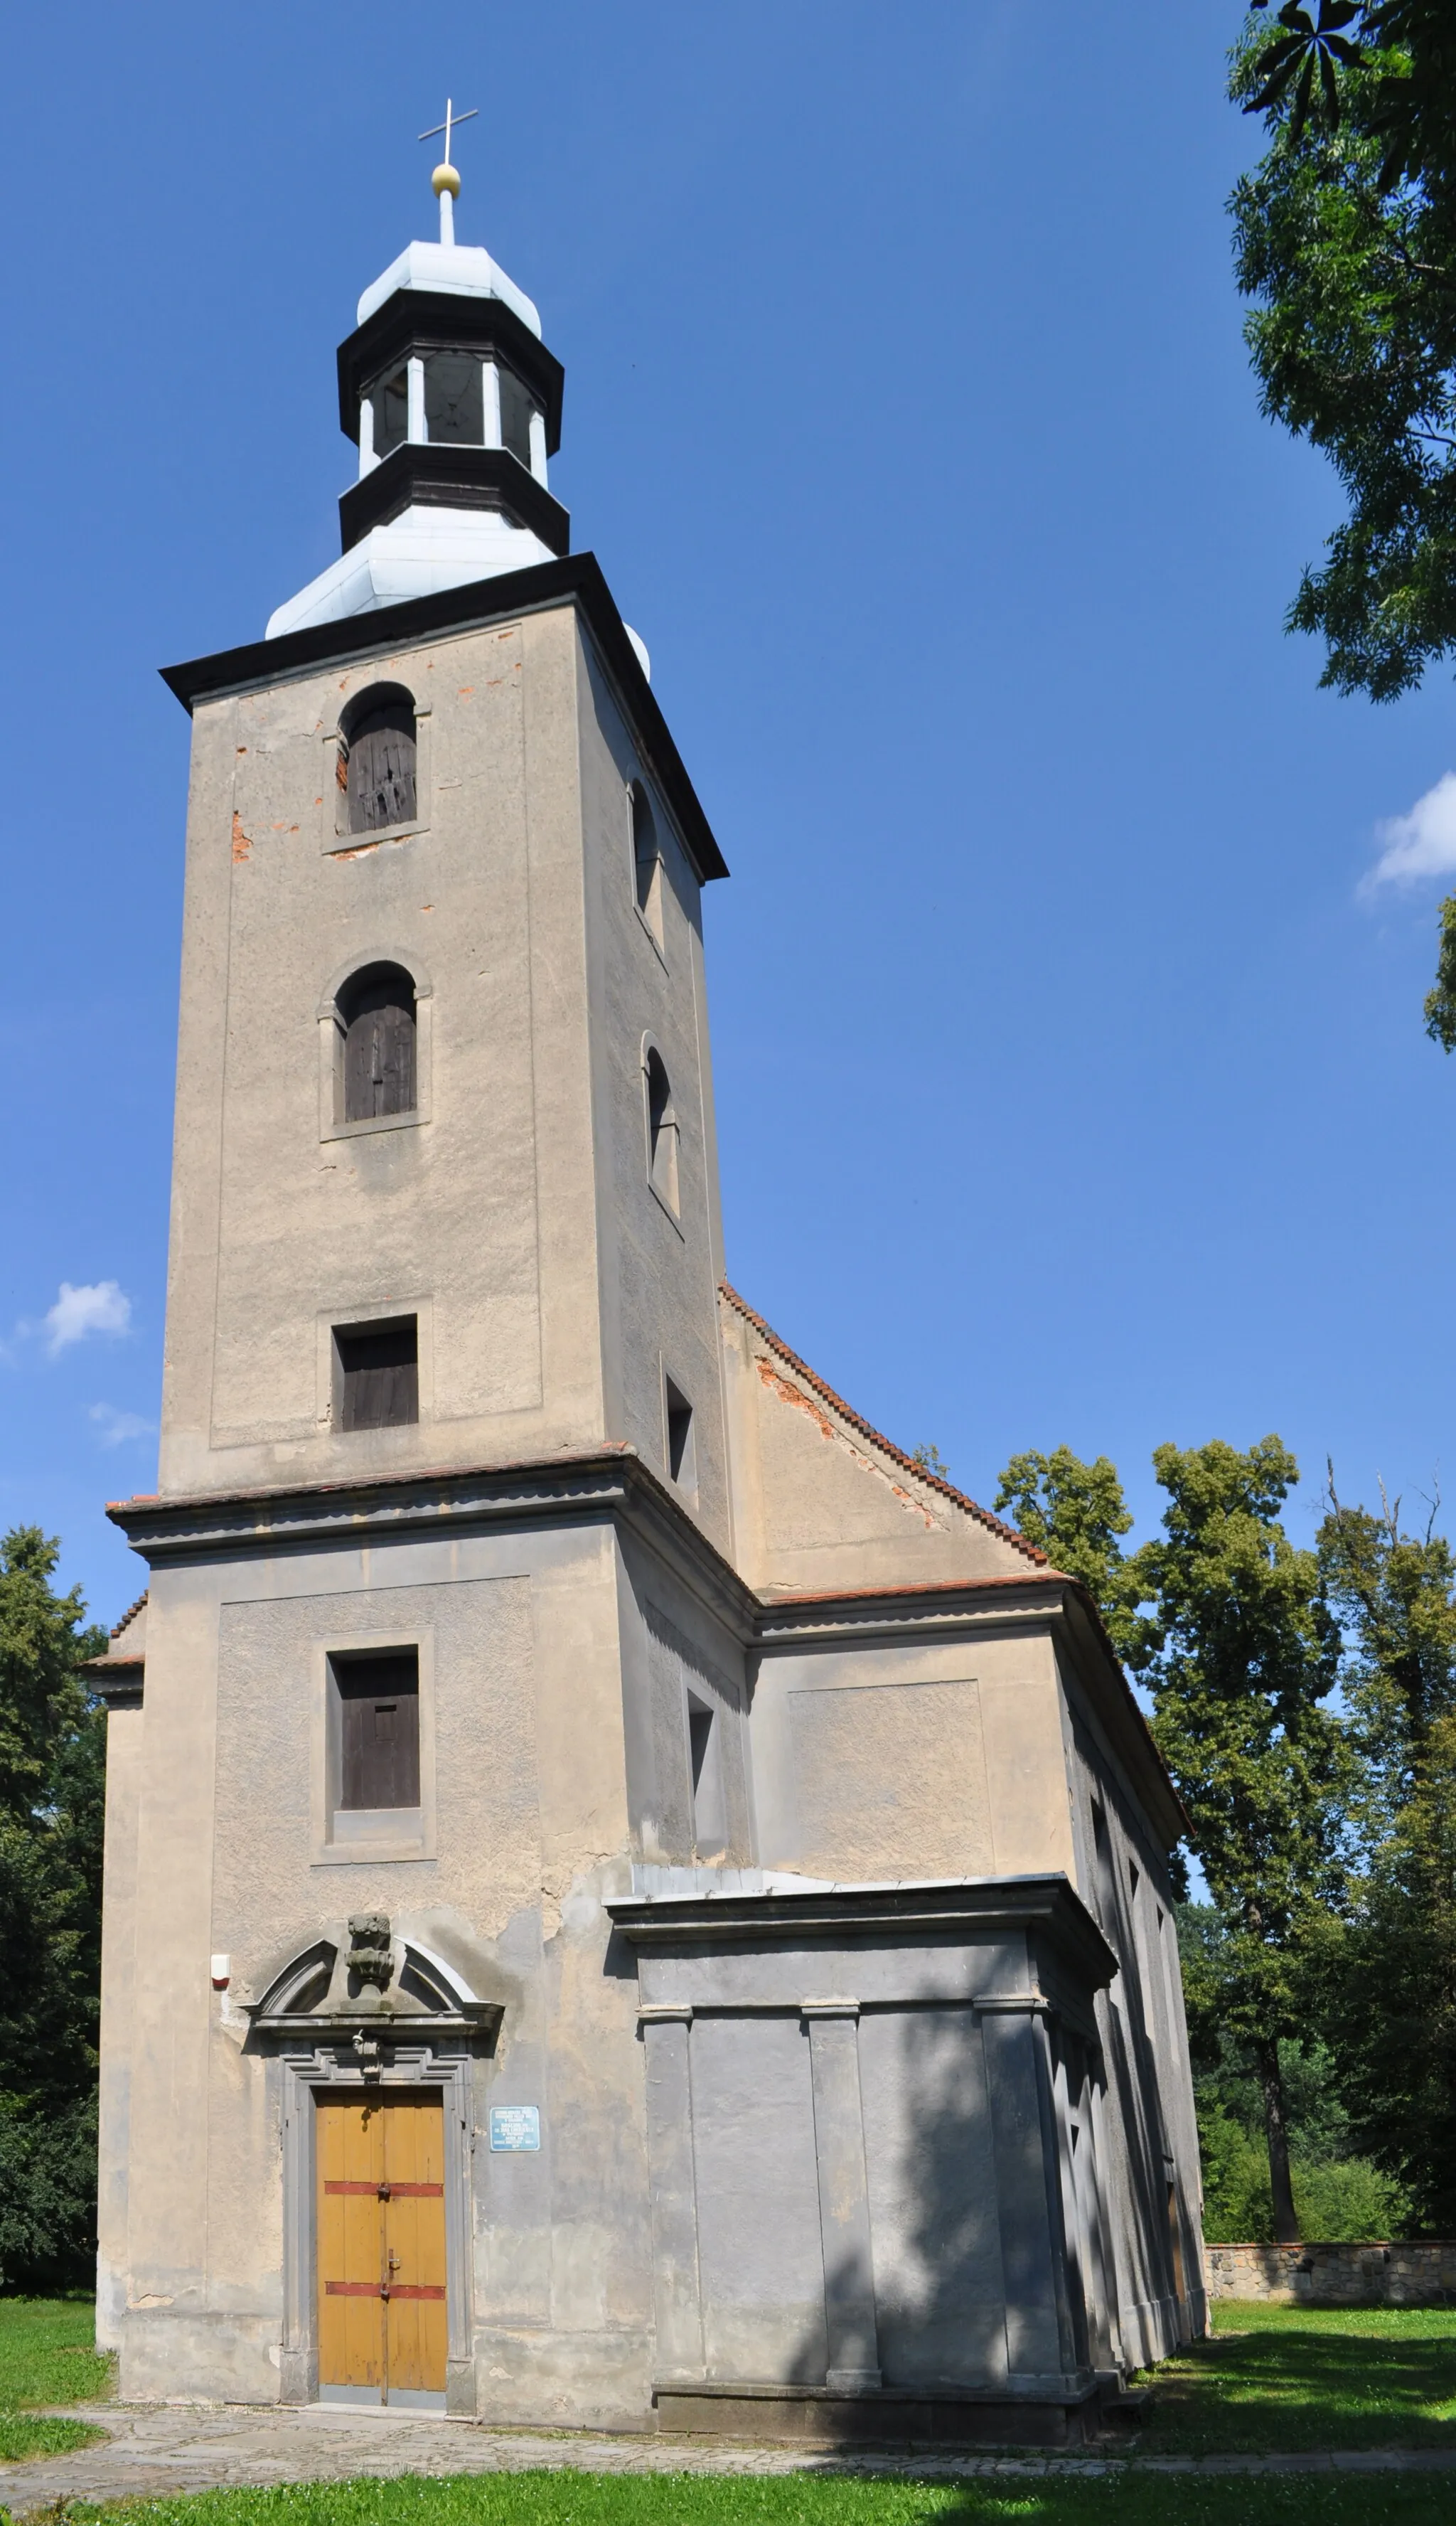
(465, 270)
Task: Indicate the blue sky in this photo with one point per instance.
(1070, 1071)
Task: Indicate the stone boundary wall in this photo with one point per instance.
(1378, 2275)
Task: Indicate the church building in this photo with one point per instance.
(629, 1900)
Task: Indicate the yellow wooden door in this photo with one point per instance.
(382, 2243)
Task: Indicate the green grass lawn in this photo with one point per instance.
(47, 2356)
(1282, 2378)
(1271, 2378)
(805, 2500)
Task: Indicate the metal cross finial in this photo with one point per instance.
(444, 180)
(451, 119)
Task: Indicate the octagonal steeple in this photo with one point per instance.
(454, 403)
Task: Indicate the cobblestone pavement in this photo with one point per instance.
(153, 2448)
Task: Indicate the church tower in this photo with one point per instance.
(620, 1888)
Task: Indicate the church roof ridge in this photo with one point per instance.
(936, 1482)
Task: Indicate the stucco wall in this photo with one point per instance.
(1151, 2135)
(659, 1269)
(480, 1214)
(531, 1824)
(124, 1758)
(933, 1759)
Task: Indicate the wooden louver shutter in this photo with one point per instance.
(379, 1729)
(379, 1051)
(382, 767)
(381, 1374)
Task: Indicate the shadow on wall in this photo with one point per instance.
(938, 2255)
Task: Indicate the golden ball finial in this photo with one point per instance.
(446, 180)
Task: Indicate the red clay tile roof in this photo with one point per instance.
(129, 1615)
(876, 1437)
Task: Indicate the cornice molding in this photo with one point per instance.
(575, 580)
(418, 476)
(1046, 1907)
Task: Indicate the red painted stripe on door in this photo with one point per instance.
(387, 2191)
(377, 2289)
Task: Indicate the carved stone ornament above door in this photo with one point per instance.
(365, 1976)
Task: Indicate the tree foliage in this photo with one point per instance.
(52, 1755)
(1345, 240)
(1075, 1514)
(1228, 1626)
(1389, 1981)
(1241, 1654)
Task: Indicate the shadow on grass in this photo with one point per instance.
(1280, 2388)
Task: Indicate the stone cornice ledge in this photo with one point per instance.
(599, 1483)
(1047, 1906)
(851, 1613)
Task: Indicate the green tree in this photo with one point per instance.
(1075, 1514)
(1389, 1981)
(1240, 1654)
(52, 1752)
(1338, 2194)
(1346, 241)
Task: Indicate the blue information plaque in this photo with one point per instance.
(515, 2127)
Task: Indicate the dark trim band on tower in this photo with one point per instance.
(577, 581)
(444, 320)
(418, 476)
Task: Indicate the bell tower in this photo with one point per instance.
(599, 1842)
(445, 1180)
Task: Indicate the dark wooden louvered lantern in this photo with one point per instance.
(379, 772)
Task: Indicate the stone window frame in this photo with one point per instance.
(652, 1050)
(652, 918)
(334, 838)
(419, 1838)
(305, 2075)
(331, 1125)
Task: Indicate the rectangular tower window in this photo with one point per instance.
(377, 1384)
(454, 400)
(704, 1755)
(681, 1451)
(515, 409)
(377, 1710)
(390, 399)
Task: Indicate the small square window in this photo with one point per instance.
(378, 1716)
(377, 1384)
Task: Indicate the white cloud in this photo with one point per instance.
(96, 1307)
(1420, 844)
(117, 1427)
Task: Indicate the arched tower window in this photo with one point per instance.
(376, 758)
(646, 860)
(662, 1131)
(645, 854)
(376, 1013)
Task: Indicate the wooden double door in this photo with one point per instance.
(382, 2318)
